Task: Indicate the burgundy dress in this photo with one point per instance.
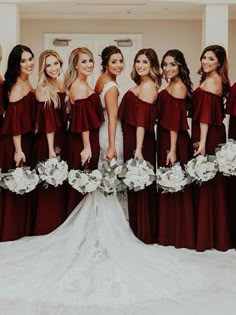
(213, 217)
(134, 113)
(231, 181)
(86, 115)
(176, 213)
(19, 120)
(1, 102)
(49, 205)
(1, 194)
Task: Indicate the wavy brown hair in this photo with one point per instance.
(154, 69)
(222, 68)
(184, 72)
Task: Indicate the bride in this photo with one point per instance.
(93, 264)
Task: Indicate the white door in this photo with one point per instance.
(129, 44)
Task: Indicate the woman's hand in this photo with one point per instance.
(52, 154)
(19, 158)
(138, 154)
(200, 149)
(111, 154)
(86, 155)
(171, 158)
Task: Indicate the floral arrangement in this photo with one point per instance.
(172, 179)
(2, 175)
(111, 184)
(85, 181)
(20, 180)
(137, 174)
(226, 158)
(202, 168)
(52, 172)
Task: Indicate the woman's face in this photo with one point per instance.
(85, 65)
(26, 63)
(115, 64)
(52, 67)
(170, 68)
(209, 62)
(142, 65)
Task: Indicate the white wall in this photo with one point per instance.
(160, 35)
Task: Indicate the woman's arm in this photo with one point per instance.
(80, 91)
(86, 153)
(171, 155)
(202, 144)
(140, 132)
(111, 101)
(51, 151)
(16, 94)
(148, 93)
(19, 156)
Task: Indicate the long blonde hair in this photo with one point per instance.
(71, 72)
(45, 83)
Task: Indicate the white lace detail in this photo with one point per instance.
(93, 265)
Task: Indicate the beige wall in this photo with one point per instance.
(160, 35)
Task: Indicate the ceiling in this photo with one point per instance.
(116, 9)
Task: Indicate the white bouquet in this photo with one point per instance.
(202, 168)
(226, 158)
(2, 184)
(85, 181)
(137, 174)
(52, 172)
(21, 180)
(111, 184)
(172, 179)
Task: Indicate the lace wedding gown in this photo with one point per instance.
(93, 265)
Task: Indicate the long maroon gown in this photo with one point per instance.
(231, 181)
(212, 210)
(134, 113)
(19, 120)
(49, 205)
(1, 190)
(86, 115)
(1, 101)
(176, 212)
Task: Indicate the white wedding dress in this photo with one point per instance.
(94, 265)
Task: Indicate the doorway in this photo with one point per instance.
(129, 44)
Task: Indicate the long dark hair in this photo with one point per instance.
(13, 70)
(222, 68)
(184, 72)
(106, 54)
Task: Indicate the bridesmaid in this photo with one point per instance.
(86, 117)
(137, 113)
(176, 215)
(17, 138)
(49, 205)
(208, 130)
(231, 181)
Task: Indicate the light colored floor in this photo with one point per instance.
(220, 298)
